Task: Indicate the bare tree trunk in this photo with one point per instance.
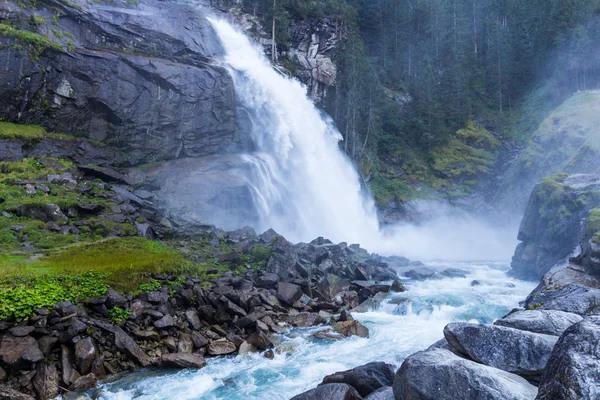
(273, 44)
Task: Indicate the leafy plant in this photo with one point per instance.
(118, 315)
(150, 286)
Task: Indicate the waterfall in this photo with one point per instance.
(303, 185)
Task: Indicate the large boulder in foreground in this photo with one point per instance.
(573, 371)
(441, 375)
(330, 391)
(366, 378)
(549, 322)
(511, 350)
(19, 352)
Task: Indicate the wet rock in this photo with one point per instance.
(328, 334)
(221, 347)
(306, 319)
(549, 322)
(512, 350)
(330, 391)
(351, 328)
(19, 352)
(441, 375)
(269, 354)
(385, 393)
(185, 343)
(46, 382)
(397, 286)
(85, 353)
(178, 360)
(85, 382)
(7, 393)
(127, 345)
(246, 348)
(193, 319)
(288, 292)
(283, 259)
(573, 370)
(260, 340)
(69, 375)
(199, 340)
(366, 378)
(421, 274)
(455, 273)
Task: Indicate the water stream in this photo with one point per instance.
(302, 361)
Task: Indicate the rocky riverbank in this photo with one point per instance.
(178, 320)
(546, 350)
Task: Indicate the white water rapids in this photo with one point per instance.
(302, 361)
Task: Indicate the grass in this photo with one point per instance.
(28, 133)
(593, 225)
(37, 42)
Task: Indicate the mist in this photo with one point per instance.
(450, 233)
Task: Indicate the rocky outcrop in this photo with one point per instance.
(441, 375)
(548, 322)
(137, 76)
(574, 367)
(551, 228)
(330, 391)
(512, 350)
(366, 379)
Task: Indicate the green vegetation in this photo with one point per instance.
(118, 315)
(149, 286)
(37, 42)
(28, 133)
(593, 225)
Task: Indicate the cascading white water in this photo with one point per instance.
(304, 186)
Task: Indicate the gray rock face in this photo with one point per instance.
(573, 371)
(385, 393)
(441, 375)
(156, 98)
(508, 349)
(549, 322)
(546, 236)
(19, 352)
(126, 344)
(366, 378)
(330, 391)
(46, 382)
(178, 360)
(212, 189)
(288, 292)
(85, 353)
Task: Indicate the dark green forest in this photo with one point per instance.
(501, 63)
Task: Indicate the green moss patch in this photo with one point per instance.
(28, 133)
(37, 42)
(593, 225)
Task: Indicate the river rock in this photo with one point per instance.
(259, 340)
(283, 259)
(85, 353)
(7, 393)
(573, 371)
(127, 345)
(288, 292)
(385, 393)
(421, 274)
(165, 322)
(221, 347)
(20, 331)
(19, 352)
(365, 379)
(246, 348)
(85, 382)
(512, 350)
(330, 391)
(351, 328)
(549, 322)
(306, 319)
(46, 381)
(441, 375)
(193, 319)
(180, 360)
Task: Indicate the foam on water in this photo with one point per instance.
(302, 361)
